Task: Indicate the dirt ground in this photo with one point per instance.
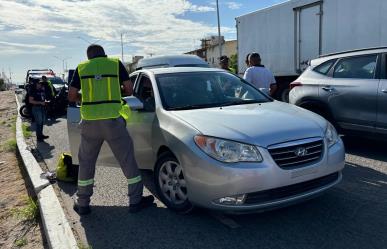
(20, 225)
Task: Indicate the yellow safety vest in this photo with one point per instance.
(101, 91)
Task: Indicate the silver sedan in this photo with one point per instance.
(215, 141)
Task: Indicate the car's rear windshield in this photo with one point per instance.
(183, 91)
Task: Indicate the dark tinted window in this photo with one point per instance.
(324, 67)
(356, 67)
(133, 78)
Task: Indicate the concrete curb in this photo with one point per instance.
(57, 229)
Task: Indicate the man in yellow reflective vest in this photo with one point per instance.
(100, 79)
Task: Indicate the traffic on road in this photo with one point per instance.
(264, 141)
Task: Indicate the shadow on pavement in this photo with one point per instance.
(45, 149)
(365, 147)
(351, 215)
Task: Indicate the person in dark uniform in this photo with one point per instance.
(38, 100)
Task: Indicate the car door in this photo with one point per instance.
(142, 121)
(351, 92)
(381, 123)
(105, 157)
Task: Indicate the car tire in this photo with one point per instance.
(24, 112)
(285, 95)
(170, 184)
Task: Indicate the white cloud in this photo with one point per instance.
(149, 25)
(24, 45)
(233, 5)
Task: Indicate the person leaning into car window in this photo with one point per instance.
(100, 79)
(38, 100)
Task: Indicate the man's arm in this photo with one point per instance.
(74, 95)
(273, 85)
(34, 102)
(125, 81)
(75, 85)
(128, 87)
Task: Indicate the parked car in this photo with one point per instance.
(171, 61)
(349, 89)
(215, 141)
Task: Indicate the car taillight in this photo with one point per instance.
(294, 84)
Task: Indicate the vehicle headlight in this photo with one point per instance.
(331, 135)
(228, 151)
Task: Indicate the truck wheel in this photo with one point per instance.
(170, 184)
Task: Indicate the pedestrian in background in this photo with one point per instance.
(259, 76)
(100, 79)
(38, 100)
(224, 63)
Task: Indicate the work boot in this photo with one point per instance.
(146, 201)
(81, 210)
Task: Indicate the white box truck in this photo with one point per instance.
(290, 34)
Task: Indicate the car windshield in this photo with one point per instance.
(184, 91)
(57, 81)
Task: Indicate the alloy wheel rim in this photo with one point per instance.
(172, 182)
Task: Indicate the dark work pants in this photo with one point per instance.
(93, 134)
(39, 113)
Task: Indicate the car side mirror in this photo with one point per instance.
(134, 103)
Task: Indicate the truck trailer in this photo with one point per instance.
(290, 34)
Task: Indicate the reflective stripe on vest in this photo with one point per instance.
(84, 183)
(134, 180)
(101, 91)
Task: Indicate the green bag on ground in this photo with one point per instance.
(65, 170)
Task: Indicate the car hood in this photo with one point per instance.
(259, 124)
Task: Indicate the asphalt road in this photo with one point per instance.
(351, 215)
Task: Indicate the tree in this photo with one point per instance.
(234, 62)
(2, 85)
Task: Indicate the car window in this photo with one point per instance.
(133, 78)
(324, 67)
(183, 91)
(356, 67)
(144, 92)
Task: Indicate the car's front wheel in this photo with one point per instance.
(170, 183)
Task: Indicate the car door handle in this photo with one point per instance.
(328, 88)
(384, 91)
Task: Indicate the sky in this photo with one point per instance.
(53, 33)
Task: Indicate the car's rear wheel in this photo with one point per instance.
(171, 185)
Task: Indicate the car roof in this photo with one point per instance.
(171, 60)
(357, 52)
(170, 70)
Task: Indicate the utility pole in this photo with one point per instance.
(122, 50)
(63, 63)
(10, 76)
(219, 41)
